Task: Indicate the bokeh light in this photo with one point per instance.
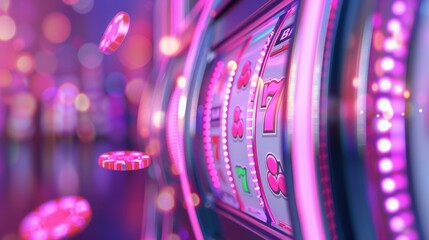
(133, 90)
(23, 105)
(89, 56)
(56, 27)
(5, 78)
(83, 6)
(86, 131)
(82, 102)
(46, 63)
(67, 93)
(70, 2)
(7, 28)
(40, 83)
(169, 46)
(165, 201)
(136, 53)
(25, 63)
(157, 119)
(4, 5)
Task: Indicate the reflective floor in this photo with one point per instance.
(34, 172)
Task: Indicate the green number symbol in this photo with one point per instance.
(242, 173)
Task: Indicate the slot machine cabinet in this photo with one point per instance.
(293, 120)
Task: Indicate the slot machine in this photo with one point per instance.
(291, 120)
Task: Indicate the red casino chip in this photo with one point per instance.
(115, 33)
(124, 160)
(57, 219)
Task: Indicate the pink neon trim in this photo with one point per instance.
(303, 160)
(187, 73)
(249, 126)
(224, 132)
(206, 129)
(388, 135)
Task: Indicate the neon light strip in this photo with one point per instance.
(224, 128)
(303, 159)
(172, 132)
(386, 125)
(250, 117)
(202, 24)
(206, 127)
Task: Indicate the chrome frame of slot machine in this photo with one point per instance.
(289, 119)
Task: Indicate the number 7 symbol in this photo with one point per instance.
(242, 173)
(270, 97)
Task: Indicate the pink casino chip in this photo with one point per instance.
(57, 219)
(115, 33)
(124, 160)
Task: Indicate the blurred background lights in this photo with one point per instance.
(40, 83)
(195, 199)
(23, 105)
(5, 78)
(89, 56)
(4, 5)
(399, 7)
(25, 63)
(82, 102)
(46, 62)
(165, 201)
(7, 28)
(70, 2)
(169, 46)
(157, 119)
(56, 27)
(181, 82)
(133, 90)
(136, 51)
(67, 93)
(85, 130)
(83, 6)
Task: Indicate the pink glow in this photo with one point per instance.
(189, 64)
(401, 221)
(383, 125)
(408, 235)
(399, 8)
(385, 165)
(390, 144)
(397, 224)
(388, 185)
(384, 145)
(391, 44)
(387, 64)
(249, 126)
(232, 66)
(392, 204)
(303, 162)
(385, 84)
(384, 105)
(398, 89)
(211, 141)
(394, 26)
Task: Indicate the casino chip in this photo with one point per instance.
(57, 219)
(115, 33)
(124, 160)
